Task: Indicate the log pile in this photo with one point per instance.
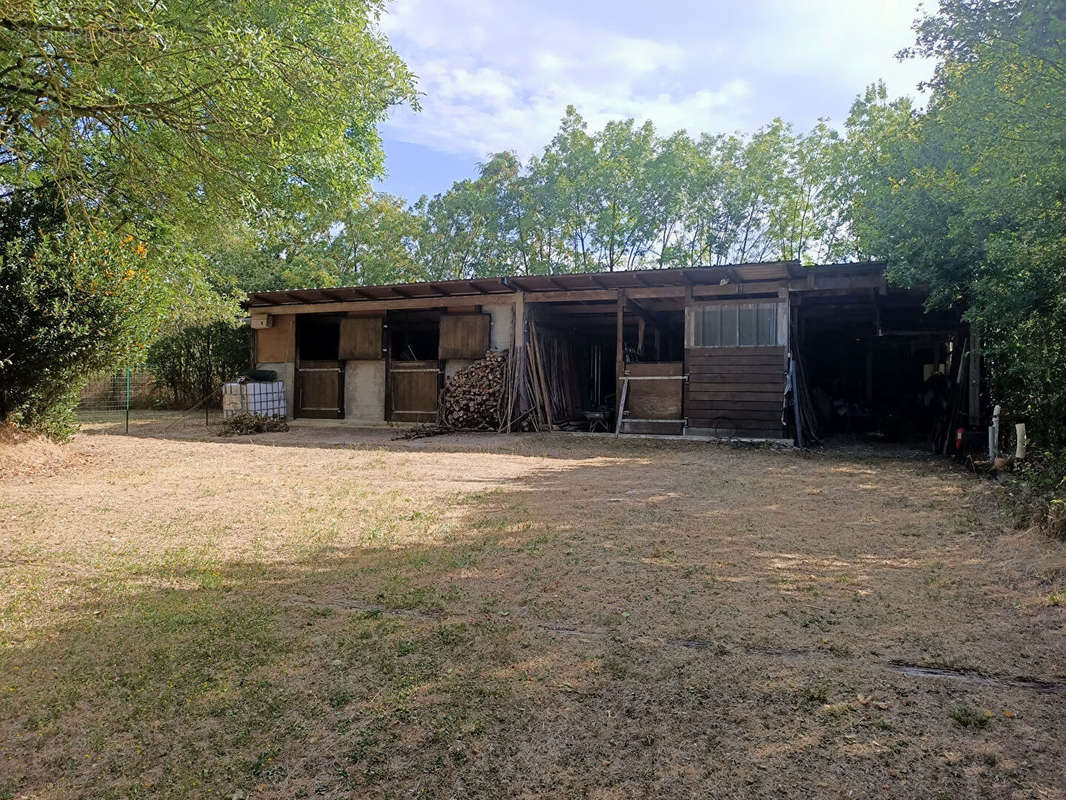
(478, 397)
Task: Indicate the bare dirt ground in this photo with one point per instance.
(331, 613)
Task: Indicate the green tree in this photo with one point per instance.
(623, 221)
(194, 113)
(71, 303)
(809, 218)
(169, 125)
(969, 198)
(192, 362)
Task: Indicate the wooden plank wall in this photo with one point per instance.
(360, 338)
(464, 335)
(654, 399)
(413, 390)
(735, 389)
(276, 344)
(320, 389)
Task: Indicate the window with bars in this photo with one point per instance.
(733, 325)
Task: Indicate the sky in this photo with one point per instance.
(498, 74)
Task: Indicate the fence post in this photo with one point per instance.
(127, 398)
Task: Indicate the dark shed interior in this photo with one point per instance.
(877, 364)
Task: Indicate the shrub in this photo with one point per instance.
(1036, 492)
(192, 363)
(70, 303)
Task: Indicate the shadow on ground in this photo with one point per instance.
(658, 622)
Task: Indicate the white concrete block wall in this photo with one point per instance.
(286, 372)
(502, 326)
(364, 391)
(453, 365)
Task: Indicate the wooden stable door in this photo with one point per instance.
(320, 389)
(413, 390)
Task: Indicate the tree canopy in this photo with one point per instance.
(179, 129)
(968, 197)
(620, 198)
(192, 113)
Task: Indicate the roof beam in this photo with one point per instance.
(379, 305)
(556, 282)
(517, 282)
(592, 295)
(650, 317)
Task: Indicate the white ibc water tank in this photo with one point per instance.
(265, 398)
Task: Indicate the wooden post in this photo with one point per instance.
(386, 352)
(784, 325)
(519, 320)
(796, 416)
(619, 357)
(686, 334)
(518, 357)
(974, 382)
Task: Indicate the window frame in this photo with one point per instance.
(694, 316)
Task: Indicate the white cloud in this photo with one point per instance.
(844, 42)
(499, 75)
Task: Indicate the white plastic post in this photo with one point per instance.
(1019, 431)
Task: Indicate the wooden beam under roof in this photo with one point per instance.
(556, 282)
(520, 283)
(651, 317)
(380, 304)
(592, 295)
(598, 281)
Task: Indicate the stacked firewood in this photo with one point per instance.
(477, 397)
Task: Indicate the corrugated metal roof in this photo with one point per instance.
(624, 279)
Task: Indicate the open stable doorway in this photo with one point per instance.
(319, 371)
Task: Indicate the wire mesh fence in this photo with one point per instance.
(133, 398)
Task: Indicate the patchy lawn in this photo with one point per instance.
(332, 613)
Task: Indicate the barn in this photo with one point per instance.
(763, 350)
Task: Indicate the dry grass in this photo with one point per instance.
(28, 455)
(331, 613)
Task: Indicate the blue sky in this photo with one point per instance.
(498, 74)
